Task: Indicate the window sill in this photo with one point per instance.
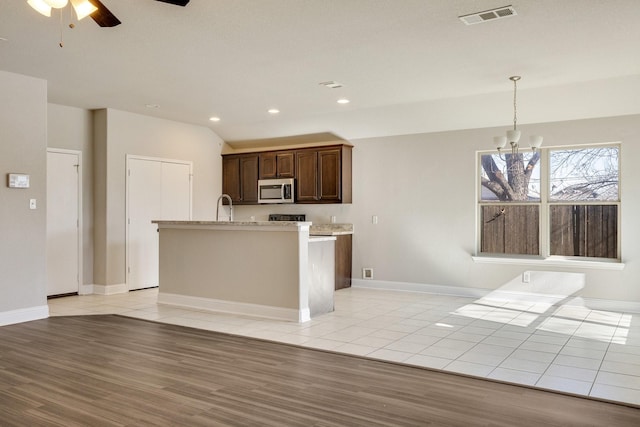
(551, 262)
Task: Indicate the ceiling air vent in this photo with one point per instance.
(331, 84)
(488, 15)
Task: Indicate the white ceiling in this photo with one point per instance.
(237, 58)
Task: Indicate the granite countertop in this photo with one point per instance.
(330, 229)
(234, 223)
(314, 229)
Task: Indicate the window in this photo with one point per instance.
(556, 201)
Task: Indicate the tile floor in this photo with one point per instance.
(568, 348)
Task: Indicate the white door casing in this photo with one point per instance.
(156, 189)
(64, 221)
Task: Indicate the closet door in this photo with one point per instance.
(157, 189)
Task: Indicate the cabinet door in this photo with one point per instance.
(343, 261)
(285, 165)
(249, 178)
(240, 178)
(329, 175)
(268, 167)
(231, 177)
(307, 176)
(277, 165)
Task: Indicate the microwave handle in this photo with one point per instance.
(282, 192)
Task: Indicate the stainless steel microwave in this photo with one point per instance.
(276, 190)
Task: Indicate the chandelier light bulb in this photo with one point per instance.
(500, 141)
(535, 141)
(513, 135)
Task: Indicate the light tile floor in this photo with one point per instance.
(567, 348)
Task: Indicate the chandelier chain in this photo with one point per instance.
(515, 108)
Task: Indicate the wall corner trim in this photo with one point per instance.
(110, 289)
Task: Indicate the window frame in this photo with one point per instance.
(544, 206)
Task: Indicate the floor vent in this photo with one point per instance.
(488, 15)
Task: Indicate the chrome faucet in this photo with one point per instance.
(226, 196)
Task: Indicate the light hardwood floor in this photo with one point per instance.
(108, 370)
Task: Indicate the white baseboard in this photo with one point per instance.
(120, 288)
(24, 315)
(420, 287)
(279, 313)
(592, 303)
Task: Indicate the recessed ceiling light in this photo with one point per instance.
(273, 111)
(214, 119)
(343, 101)
(152, 106)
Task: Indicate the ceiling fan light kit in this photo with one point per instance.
(83, 8)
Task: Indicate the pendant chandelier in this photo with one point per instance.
(513, 136)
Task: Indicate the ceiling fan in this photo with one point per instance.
(93, 8)
(105, 18)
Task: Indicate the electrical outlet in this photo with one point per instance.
(374, 219)
(526, 277)
(367, 273)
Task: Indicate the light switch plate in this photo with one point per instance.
(32, 204)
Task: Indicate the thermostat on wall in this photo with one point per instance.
(18, 180)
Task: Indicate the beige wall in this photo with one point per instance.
(118, 134)
(23, 143)
(426, 230)
(422, 188)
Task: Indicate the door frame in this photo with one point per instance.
(78, 153)
(127, 172)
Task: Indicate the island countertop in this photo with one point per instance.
(330, 229)
(257, 225)
(314, 229)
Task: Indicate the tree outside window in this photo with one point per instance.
(579, 203)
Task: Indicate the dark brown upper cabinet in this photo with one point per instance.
(240, 178)
(277, 165)
(307, 176)
(322, 174)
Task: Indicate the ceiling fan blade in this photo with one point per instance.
(176, 2)
(103, 16)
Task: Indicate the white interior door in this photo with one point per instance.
(145, 203)
(157, 190)
(63, 222)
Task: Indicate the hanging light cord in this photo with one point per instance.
(61, 44)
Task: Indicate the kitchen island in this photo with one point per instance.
(266, 269)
